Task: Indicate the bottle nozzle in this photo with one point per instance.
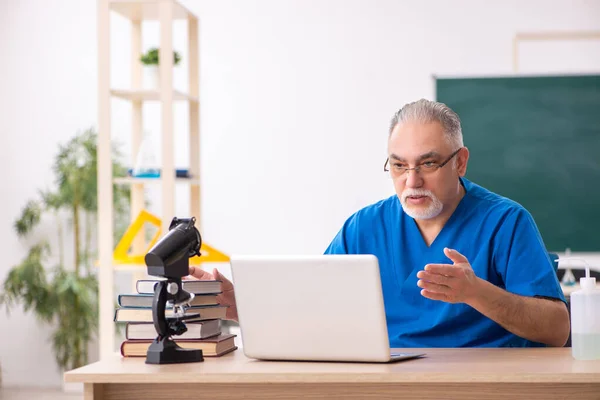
(587, 266)
(587, 282)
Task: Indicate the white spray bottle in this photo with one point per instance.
(585, 319)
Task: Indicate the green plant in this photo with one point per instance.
(62, 296)
(151, 57)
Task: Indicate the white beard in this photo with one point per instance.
(433, 210)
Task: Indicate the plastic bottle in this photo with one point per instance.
(585, 319)
(147, 163)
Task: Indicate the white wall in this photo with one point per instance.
(47, 86)
(296, 99)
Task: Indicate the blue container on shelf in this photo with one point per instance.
(155, 173)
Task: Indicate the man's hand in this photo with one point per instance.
(539, 320)
(226, 298)
(450, 283)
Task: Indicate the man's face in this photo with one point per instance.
(424, 194)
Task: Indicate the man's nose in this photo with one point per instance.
(413, 179)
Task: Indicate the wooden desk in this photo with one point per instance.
(537, 373)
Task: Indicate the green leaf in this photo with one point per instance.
(77, 309)
(53, 201)
(151, 57)
(26, 284)
(30, 217)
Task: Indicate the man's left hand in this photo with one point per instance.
(450, 283)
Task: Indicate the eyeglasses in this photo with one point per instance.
(426, 167)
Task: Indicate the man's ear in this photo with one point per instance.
(462, 160)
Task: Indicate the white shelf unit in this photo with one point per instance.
(137, 11)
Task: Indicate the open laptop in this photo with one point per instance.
(317, 308)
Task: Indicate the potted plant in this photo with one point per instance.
(151, 70)
(65, 295)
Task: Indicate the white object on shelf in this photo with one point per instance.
(151, 77)
(147, 160)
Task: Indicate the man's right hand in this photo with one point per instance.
(227, 297)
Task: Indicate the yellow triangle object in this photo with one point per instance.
(208, 254)
(121, 254)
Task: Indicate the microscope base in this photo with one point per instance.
(166, 351)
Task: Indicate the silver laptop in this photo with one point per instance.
(317, 308)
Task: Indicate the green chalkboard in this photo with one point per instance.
(536, 140)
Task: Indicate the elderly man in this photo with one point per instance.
(460, 266)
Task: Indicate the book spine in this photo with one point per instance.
(122, 348)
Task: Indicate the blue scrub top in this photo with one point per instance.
(498, 237)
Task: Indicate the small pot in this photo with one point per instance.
(151, 77)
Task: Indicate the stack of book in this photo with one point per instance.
(203, 332)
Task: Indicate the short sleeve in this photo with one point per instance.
(521, 258)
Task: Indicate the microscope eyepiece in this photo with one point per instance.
(168, 257)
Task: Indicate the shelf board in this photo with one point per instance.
(147, 10)
(149, 95)
(131, 180)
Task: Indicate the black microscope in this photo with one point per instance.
(169, 259)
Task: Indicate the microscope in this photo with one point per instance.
(169, 259)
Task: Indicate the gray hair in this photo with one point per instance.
(431, 111)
